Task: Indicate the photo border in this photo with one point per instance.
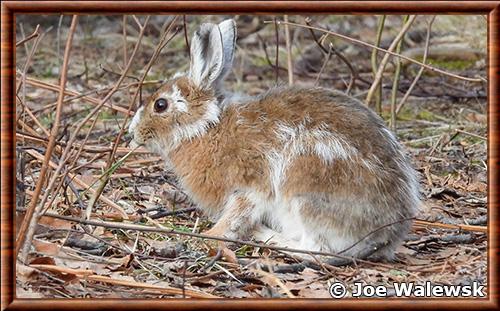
(7, 205)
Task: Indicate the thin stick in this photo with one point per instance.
(186, 39)
(124, 39)
(380, 28)
(35, 34)
(34, 118)
(471, 134)
(80, 183)
(276, 33)
(395, 84)
(420, 222)
(479, 79)
(385, 59)
(27, 127)
(325, 62)
(288, 52)
(90, 276)
(92, 100)
(127, 226)
(424, 60)
(85, 96)
(58, 40)
(71, 169)
(136, 20)
(29, 222)
(375, 231)
(27, 65)
(353, 73)
(89, 149)
(23, 35)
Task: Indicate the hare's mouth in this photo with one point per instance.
(132, 141)
(133, 144)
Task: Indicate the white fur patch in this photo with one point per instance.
(178, 75)
(176, 99)
(299, 140)
(278, 163)
(199, 127)
(233, 99)
(135, 120)
(319, 141)
(281, 221)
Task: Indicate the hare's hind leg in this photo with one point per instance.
(284, 226)
(236, 220)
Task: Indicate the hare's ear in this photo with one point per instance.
(212, 49)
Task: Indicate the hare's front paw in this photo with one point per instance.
(267, 235)
(220, 246)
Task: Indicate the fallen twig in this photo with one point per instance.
(87, 148)
(94, 101)
(424, 223)
(90, 276)
(82, 184)
(471, 134)
(127, 226)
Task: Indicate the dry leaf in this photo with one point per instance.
(47, 248)
(55, 223)
(314, 293)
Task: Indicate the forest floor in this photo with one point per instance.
(442, 126)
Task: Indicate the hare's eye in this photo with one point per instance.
(161, 105)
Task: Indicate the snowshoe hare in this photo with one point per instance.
(307, 168)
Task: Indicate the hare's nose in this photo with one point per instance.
(133, 144)
(128, 137)
(135, 120)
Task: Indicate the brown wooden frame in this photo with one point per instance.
(9, 8)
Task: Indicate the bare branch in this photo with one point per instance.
(127, 226)
(288, 52)
(417, 77)
(31, 218)
(431, 68)
(378, 98)
(276, 32)
(35, 34)
(395, 83)
(383, 62)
